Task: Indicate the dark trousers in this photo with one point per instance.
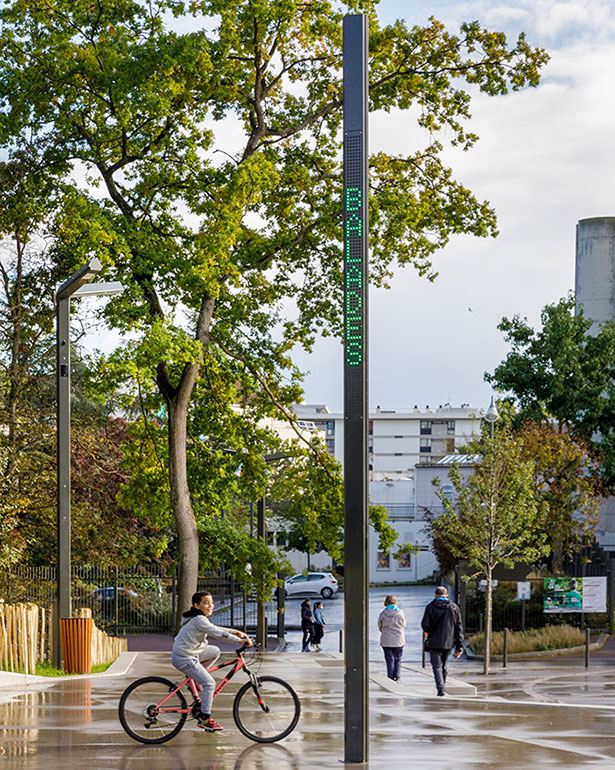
(438, 660)
(392, 656)
(319, 632)
(308, 634)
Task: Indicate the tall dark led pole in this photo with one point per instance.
(356, 619)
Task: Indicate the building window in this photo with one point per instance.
(331, 428)
(425, 445)
(450, 426)
(370, 427)
(331, 445)
(425, 428)
(425, 459)
(447, 491)
(383, 560)
(404, 562)
(450, 446)
(397, 436)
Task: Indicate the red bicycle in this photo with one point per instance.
(154, 710)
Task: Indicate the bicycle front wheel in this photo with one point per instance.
(268, 712)
(148, 714)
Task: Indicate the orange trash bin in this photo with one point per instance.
(76, 637)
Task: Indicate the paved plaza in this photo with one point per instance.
(546, 712)
(530, 715)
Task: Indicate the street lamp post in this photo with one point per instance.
(261, 534)
(75, 286)
(492, 415)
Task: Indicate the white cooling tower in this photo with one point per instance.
(595, 268)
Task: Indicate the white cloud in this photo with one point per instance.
(546, 159)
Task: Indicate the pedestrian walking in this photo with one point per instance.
(307, 625)
(391, 624)
(442, 624)
(319, 625)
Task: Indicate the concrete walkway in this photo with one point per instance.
(531, 714)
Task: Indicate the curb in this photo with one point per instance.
(13, 680)
(538, 653)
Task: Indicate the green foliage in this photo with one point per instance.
(494, 517)
(561, 372)
(249, 560)
(216, 233)
(564, 486)
(307, 498)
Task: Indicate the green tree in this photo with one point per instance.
(212, 177)
(494, 516)
(562, 483)
(307, 500)
(561, 372)
(27, 200)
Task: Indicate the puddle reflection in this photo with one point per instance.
(76, 702)
(260, 756)
(20, 741)
(153, 756)
(265, 756)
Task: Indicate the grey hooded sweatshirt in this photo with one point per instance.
(391, 624)
(191, 640)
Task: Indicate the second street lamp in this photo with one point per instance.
(492, 415)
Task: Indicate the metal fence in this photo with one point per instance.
(133, 601)
(517, 615)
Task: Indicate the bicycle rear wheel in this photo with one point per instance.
(268, 712)
(143, 715)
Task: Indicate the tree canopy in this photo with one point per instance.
(203, 168)
(561, 372)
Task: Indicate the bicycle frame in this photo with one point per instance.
(238, 663)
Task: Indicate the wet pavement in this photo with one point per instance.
(534, 713)
(527, 716)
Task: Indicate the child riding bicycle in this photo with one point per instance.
(192, 654)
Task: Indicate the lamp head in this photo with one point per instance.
(492, 413)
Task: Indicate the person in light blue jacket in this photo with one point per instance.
(319, 625)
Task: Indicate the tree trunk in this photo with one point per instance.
(181, 506)
(557, 555)
(488, 621)
(178, 401)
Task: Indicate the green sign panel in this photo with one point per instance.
(353, 278)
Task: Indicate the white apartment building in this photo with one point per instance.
(399, 441)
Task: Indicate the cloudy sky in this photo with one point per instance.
(545, 159)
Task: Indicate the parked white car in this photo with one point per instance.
(313, 584)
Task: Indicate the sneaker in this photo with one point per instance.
(208, 724)
(441, 693)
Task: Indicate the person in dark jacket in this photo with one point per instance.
(442, 624)
(307, 625)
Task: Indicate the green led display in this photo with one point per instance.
(353, 275)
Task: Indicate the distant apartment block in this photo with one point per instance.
(407, 448)
(400, 439)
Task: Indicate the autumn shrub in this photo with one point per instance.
(534, 639)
